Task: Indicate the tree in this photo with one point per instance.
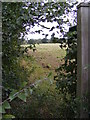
(13, 25)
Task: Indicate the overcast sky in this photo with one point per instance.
(32, 34)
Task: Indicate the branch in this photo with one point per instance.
(33, 84)
(40, 24)
(43, 26)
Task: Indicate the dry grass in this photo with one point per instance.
(47, 58)
(48, 54)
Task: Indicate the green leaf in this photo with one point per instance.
(8, 116)
(22, 96)
(2, 110)
(26, 92)
(24, 84)
(6, 105)
(12, 95)
(49, 74)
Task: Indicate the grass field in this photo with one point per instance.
(46, 59)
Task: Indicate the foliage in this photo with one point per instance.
(67, 73)
(21, 94)
(12, 73)
(16, 17)
(12, 26)
(46, 102)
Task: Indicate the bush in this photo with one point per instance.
(67, 72)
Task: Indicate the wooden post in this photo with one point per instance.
(83, 57)
(0, 56)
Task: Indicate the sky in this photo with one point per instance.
(32, 35)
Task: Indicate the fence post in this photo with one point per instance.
(0, 55)
(83, 57)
